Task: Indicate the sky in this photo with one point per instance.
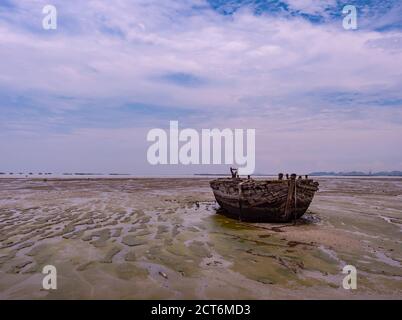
(83, 97)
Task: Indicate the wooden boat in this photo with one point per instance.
(281, 200)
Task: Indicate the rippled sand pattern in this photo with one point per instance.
(162, 238)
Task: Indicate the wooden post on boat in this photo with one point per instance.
(240, 186)
(291, 196)
(234, 171)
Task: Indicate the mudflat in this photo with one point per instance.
(162, 238)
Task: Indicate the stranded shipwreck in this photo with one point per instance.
(252, 200)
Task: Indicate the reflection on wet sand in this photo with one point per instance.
(162, 238)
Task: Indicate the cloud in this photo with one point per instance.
(182, 79)
(312, 6)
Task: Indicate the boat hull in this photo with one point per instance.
(264, 200)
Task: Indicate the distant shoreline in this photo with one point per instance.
(325, 174)
(72, 176)
(312, 174)
(358, 174)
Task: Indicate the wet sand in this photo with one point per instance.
(162, 239)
